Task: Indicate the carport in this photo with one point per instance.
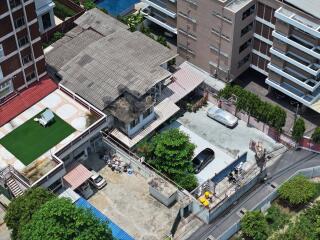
(76, 177)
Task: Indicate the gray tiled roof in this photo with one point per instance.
(111, 64)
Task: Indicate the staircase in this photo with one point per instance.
(14, 187)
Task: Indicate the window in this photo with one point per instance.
(1, 51)
(19, 22)
(23, 41)
(30, 76)
(248, 12)
(246, 29)
(14, 3)
(147, 112)
(26, 59)
(245, 45)
(46, 21)
(5, 88)
(134, 123)
(243, 60)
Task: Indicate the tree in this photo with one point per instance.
(297, 191)
(21, 209)
(254, 226)
(88, 4)
(316, 135)
(59, 219)
(298, 129)
(171, 153)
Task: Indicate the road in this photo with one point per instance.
(280, 171)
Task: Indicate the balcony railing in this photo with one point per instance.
(298, 61)
(298, 21)
(299, 43)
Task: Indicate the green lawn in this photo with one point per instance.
(31, 140)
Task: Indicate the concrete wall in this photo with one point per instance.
(309, 173)
(209, 216)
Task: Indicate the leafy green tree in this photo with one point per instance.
(298, 129)
(316, 135)
(297, 191)
(59, 219)
(254, 226)
(173, 153)
(132, 21)
(22, 208)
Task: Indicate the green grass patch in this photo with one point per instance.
(62, 11)
(30, 140)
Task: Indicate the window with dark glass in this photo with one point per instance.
(26, 59)
(30, 76)
(46, 21)
(245, 45)
(134, 123)
(247, 29)
(14, 3)
(248, 12)
(147, 112)
(23, 41)
(19, 22)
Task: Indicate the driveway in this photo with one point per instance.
(255, 83)
(227, 143)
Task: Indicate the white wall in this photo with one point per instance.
(141, 124)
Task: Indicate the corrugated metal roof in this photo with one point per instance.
(77, 176)
(117, 232)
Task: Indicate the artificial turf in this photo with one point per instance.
(30, 140)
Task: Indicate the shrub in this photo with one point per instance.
(254, 226)
(316, 135)
(298, 129)
(88, 4)
(275, 218)
(248, 102)
(62, 11)
(297, 191)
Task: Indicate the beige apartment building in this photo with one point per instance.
(162, 13)
(278, 38)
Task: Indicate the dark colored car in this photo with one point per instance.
(203, 159)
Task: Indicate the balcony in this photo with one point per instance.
(298, 61)
(299, 43)
(305, 99)
(298, 78)
(151, 16)
(298, 21)
(160, 7)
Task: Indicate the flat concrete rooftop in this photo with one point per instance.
(67, 109)
(127, 202)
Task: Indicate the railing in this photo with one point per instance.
(11, 171)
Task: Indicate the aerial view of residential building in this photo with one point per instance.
(159, 119)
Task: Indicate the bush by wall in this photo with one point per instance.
(250, 103)
(62, 11)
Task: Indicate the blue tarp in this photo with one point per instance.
(117, 232)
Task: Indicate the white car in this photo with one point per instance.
(222, 116)
(97, 180)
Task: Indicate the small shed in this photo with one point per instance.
(76, 177)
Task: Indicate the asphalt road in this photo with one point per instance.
(280, 171)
